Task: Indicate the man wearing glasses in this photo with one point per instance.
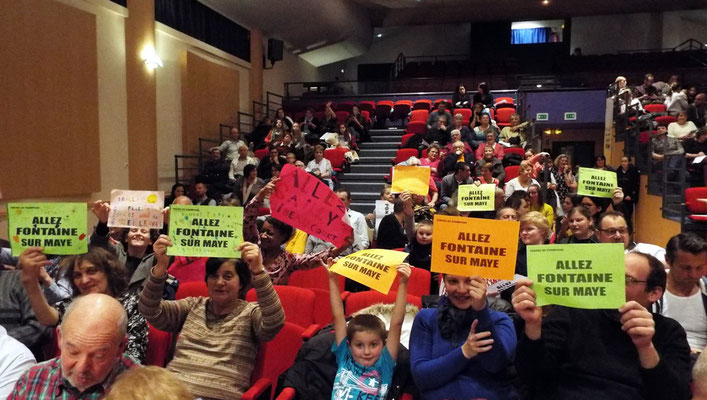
(629, 353)
(612, 228)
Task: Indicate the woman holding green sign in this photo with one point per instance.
(97, 271)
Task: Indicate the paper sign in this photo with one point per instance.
(496, 286)
(306, 203)
(416, 180)
(697, 160)
(205, 231)
(374, 268)
(596, 182)
(383, 208)
(136, 209)
(578, 275)
(58, 227)
(474, 246)
(476, 198)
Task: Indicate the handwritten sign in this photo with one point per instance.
(306, 203)
(58, 227)
(416, 180)
(382, 209)
(205, 231)
(476, 198)
(374, 268)
(136, 209)
(473, 246)
(577, 275)
(596, 182)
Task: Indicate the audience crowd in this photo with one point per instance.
(468, 342)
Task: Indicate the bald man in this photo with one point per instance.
(92, 338)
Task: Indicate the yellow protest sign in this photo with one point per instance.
(596, 182)
(416, 180)
(473, 246)
(476, 198)
(577, 275)
(374, 268)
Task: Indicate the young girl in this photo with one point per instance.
(365, 352)
(420, 250)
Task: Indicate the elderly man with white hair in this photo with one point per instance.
(92, 337)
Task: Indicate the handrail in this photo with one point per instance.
(177, 168)
(259, 109)
(269, 102)
(398, 65)
(201, 148)
(445, 57)
(220, 131)
(242, 124)
(693, 44)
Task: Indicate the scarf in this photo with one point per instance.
(453, 321)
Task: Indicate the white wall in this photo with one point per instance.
(292, 68)
(609, 34)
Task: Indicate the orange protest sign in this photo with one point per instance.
(374, 268)
(416, 180)
(473, 246)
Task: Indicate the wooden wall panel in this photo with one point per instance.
(210, 96)
(49, 137)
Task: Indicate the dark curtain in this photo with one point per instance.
(532, 35)
(200, 22)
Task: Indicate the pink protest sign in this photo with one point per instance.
(305, 202)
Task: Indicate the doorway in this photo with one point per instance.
(579, 153)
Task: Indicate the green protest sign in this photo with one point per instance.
(596, 182)
(58, 227)
(578, 275)
(476, 198)
(205, 231)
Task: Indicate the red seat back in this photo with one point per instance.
(322, 312)
(191, 289)
(665, 120)
(503, 115)
(644, 137)
(448, 101)
(315, 278)
(297, 302)
(403, 154)
(336, 157)
(419, 115)
(405, 138)
(366, 115)
(277, 355)
(419, 127)
(383, 108)
(341, 117)
(466, 115)
(503, 102)
(693, 205)
(511, 172)
(367, 106)
(260, 153)
(418, 284)
(514, 150)
(422, 104)
(654, 108)
(158, 345)
(346, 106)
(361, 300)
(424, 153)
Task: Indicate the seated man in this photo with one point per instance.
(699, 378)
(439, 133)
(15, 359)
(627, 353)
(685, 298)
(456, 136)
(456, 155)
(451, 182)
(16, 314)
(612, 228)
(434, 117)
(517, 129)
(229, 147)
(92, 338)
(214, 172)
(662, 145)
(694, 148)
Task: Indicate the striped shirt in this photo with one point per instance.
(44, 381)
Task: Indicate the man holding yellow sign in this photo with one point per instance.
(415, 180)
(628, 353)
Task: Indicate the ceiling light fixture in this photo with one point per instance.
(546, 2)
(379, 35)
(539, 85)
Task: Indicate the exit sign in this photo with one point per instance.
(570, 116)
(541, 117)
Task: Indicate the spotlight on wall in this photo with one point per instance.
(379, 35)
(546, 2)
(150, 57)
(539, 85)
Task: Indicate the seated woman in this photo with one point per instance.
(358, 124)
(273, 234)
(462, 349)
(600, 163)
(562, 224)
(483, 95)
(275, 134)
(97, 271)
(248, 185)
(178, 189)
(432, 161)
(218, 335)
(534, 230)
(321, 167)
(523, 180)
(682, 129)
(460, 98)
(284, 145)
(490, 142)
(599, 205)
(479, 135)
(396, 230)
(464, 131)
(519, 201)
(582, 227)
(537, 203)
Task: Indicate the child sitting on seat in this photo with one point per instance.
(365, 352)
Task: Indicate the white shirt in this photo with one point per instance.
(650, 249)
(324, 167)
(360, 230)
(678, 131)
(690, 313)
(237, 166)
(15, 360)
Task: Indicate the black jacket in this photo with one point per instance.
(629, 181)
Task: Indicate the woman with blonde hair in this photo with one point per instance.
(564, 178)
(148, 383)
(534, 230)
(522, 181)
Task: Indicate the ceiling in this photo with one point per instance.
(327, 31)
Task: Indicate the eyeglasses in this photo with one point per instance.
(614, 231)
(632, 281)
